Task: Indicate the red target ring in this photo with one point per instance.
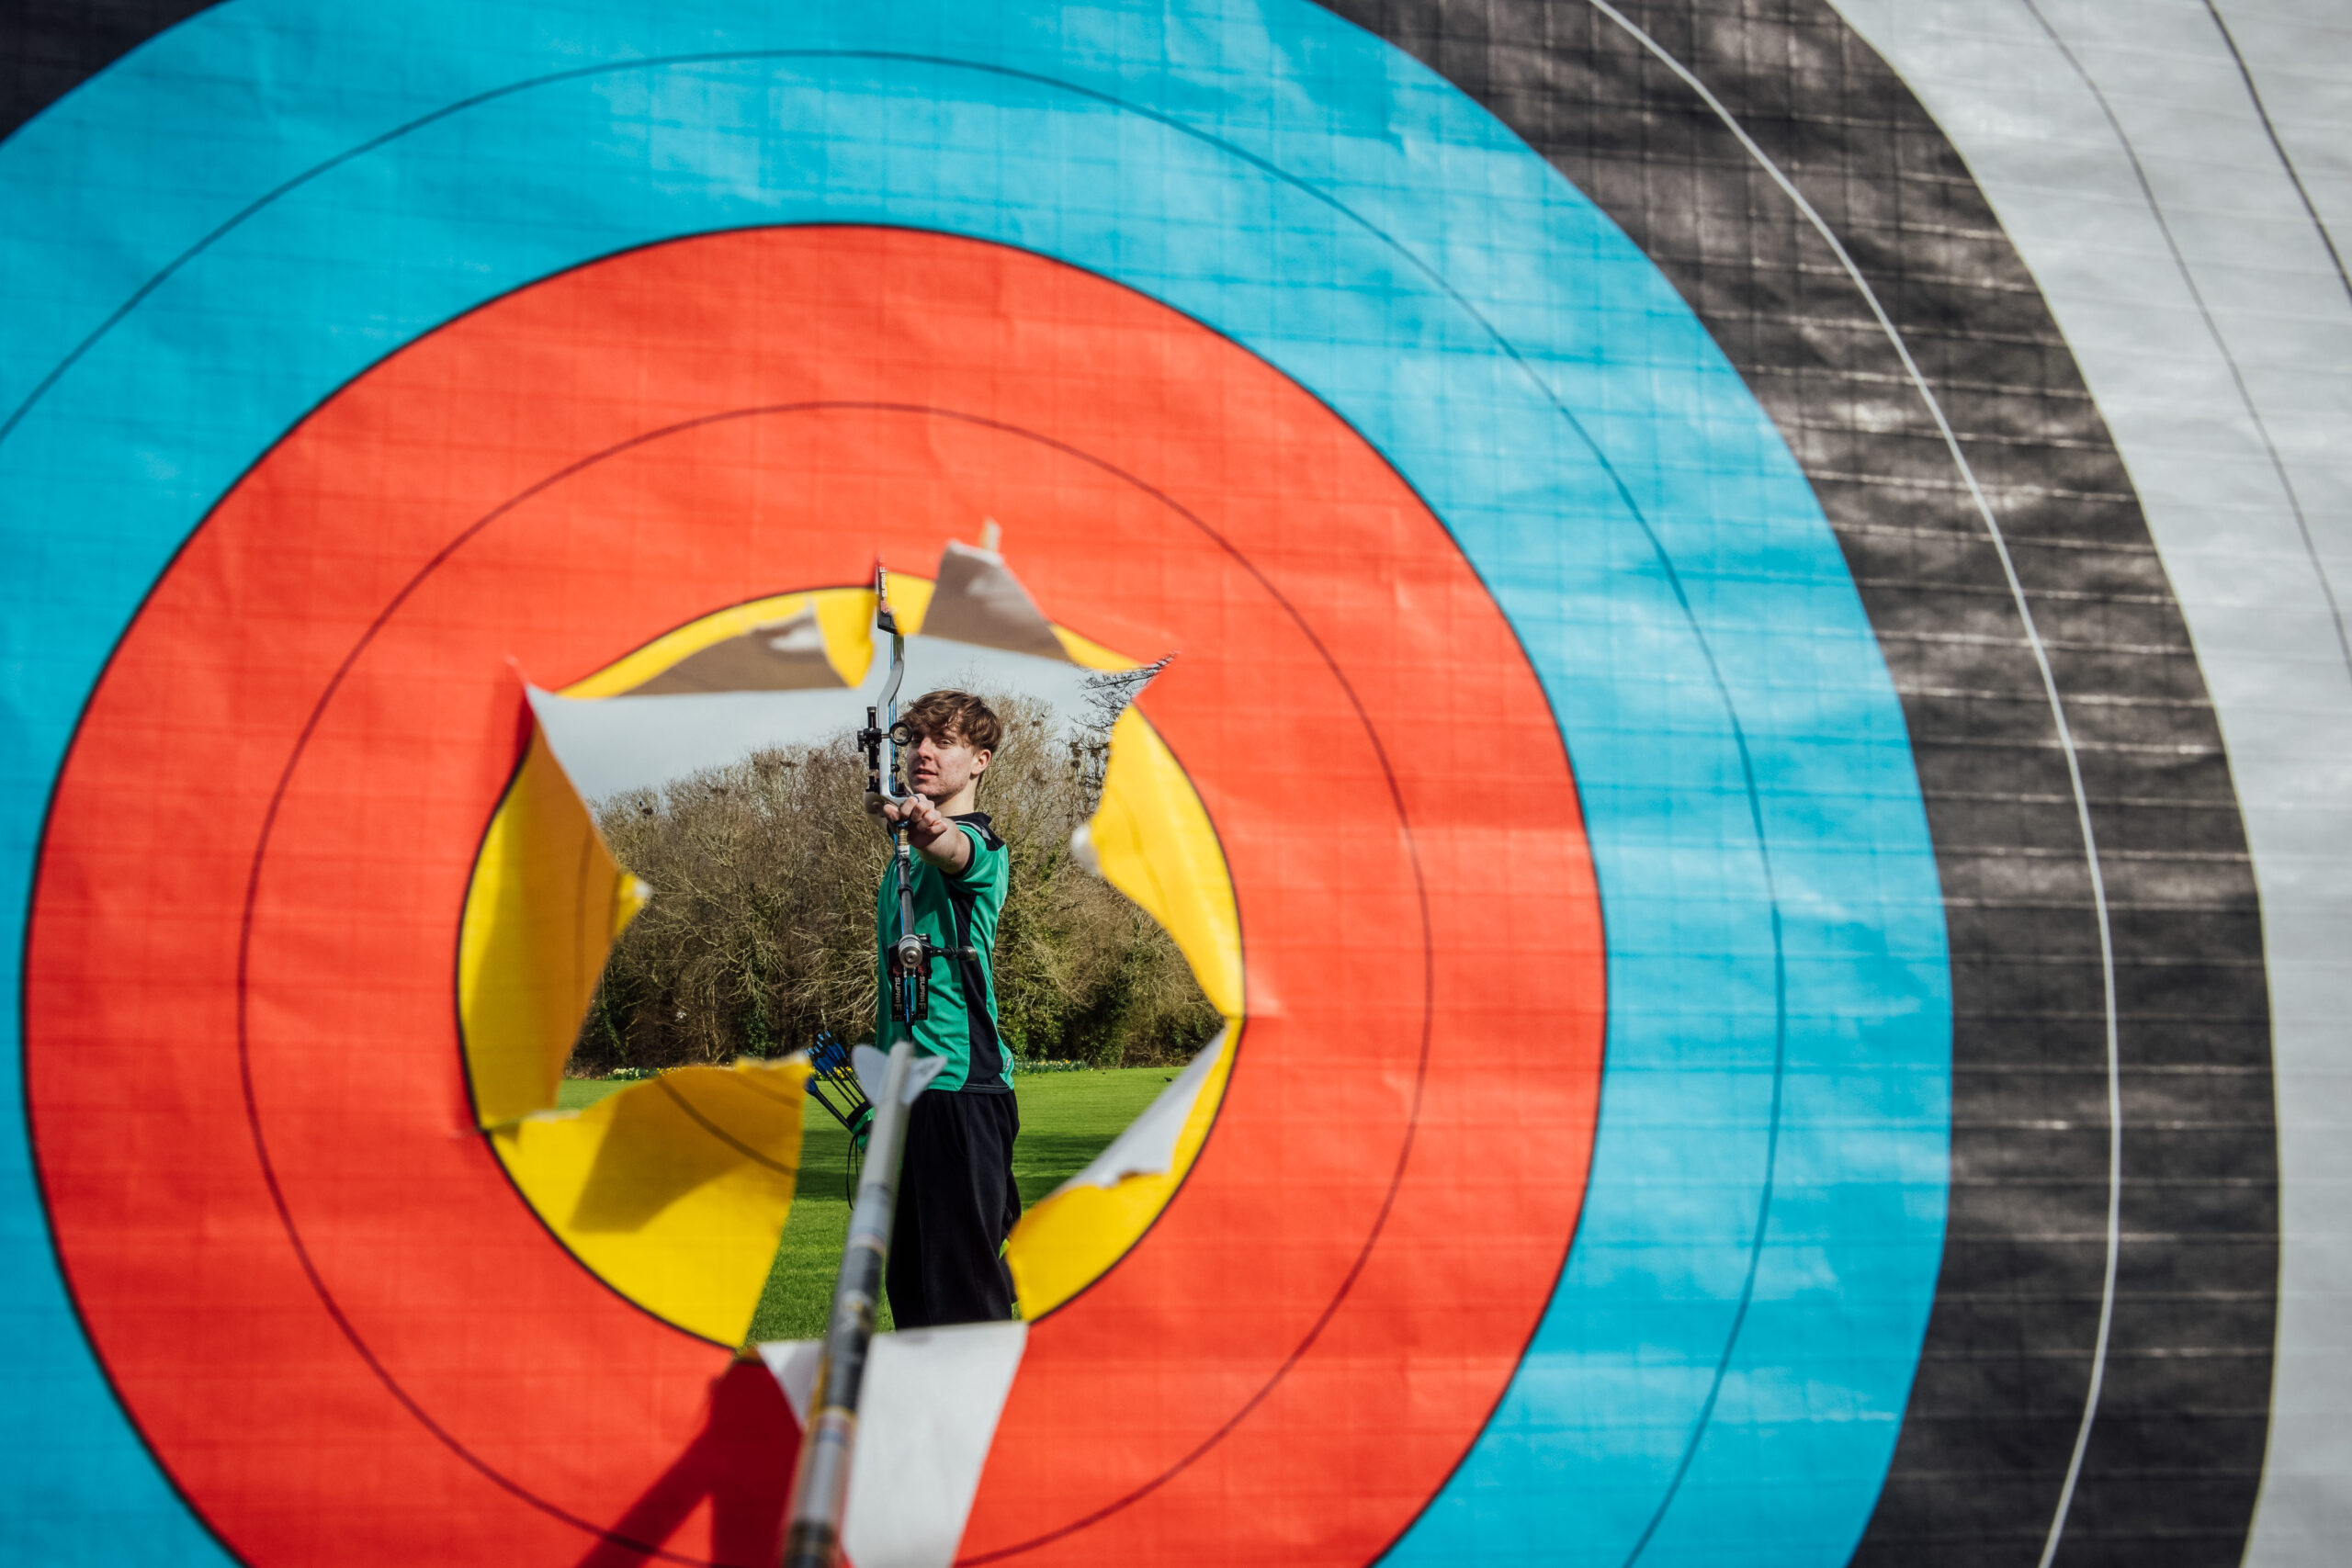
(316, 1291)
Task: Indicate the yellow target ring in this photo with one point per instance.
(674, 1192)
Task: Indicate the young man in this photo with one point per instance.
(956, 1200)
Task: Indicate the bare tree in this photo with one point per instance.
(761, 927)
(1108, 694)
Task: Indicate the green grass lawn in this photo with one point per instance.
(1066, 1120)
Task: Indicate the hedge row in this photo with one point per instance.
(760, 931)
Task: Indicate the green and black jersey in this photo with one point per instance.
(953, 911)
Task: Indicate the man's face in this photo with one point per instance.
(939, 766)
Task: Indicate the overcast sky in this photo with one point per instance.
(612, 744)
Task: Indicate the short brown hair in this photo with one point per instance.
(955, 715)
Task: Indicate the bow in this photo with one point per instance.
(821, 1480)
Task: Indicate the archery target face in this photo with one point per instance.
(1616, 681)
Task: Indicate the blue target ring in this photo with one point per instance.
(1759, 1249)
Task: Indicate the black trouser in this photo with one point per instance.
(956, 1204)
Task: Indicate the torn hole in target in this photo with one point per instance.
(676, 1190)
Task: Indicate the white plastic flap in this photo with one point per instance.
(1148, 1146)
(927, 1417)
